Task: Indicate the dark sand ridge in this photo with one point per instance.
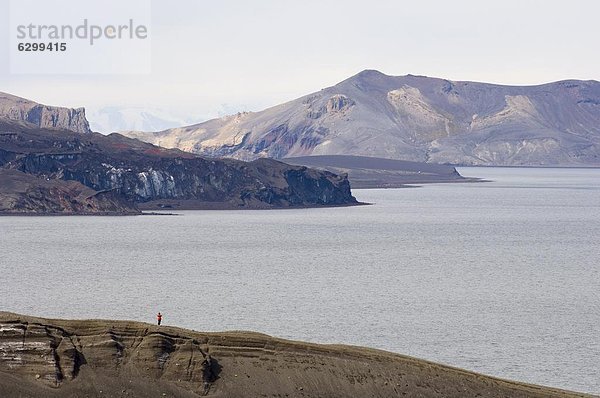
(102, 358)
(369, 172)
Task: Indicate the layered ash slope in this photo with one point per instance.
(44, 116)
(59, 358)
(145, 174)
(413, 118)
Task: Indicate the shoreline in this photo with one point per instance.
(154, 211)
(153, 207)
(420, 183)
(199, 205)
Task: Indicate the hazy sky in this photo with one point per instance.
(211, 57)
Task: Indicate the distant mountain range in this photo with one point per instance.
(112, 119)
(412, 118)
(51, 163)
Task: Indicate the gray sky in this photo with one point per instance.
(212, 57)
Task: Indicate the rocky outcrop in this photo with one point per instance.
(44, 116)
(412, 118)
(22, 193)
(157, 178)
(59, 358)
(261, 183)
(54, 356)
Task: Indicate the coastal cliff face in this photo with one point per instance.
(21, 109)
(262, 183)
(59, 358)
(22, 193)
(143, 174)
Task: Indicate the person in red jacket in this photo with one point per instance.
(159, 318)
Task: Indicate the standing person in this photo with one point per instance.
(159, 318)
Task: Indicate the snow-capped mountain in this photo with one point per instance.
(113, 118)
(412, 118)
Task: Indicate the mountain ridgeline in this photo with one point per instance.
(413, 118)
(43, 116)
(51, 165)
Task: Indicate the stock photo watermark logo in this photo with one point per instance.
(75, 37)
(85, 31)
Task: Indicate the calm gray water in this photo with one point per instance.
(501, 278)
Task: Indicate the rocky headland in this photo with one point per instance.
(22, 193)
(105, 358)
(58, 168)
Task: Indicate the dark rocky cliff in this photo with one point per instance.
(144, 174)
(22, 193)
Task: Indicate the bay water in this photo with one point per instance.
(499, 277)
